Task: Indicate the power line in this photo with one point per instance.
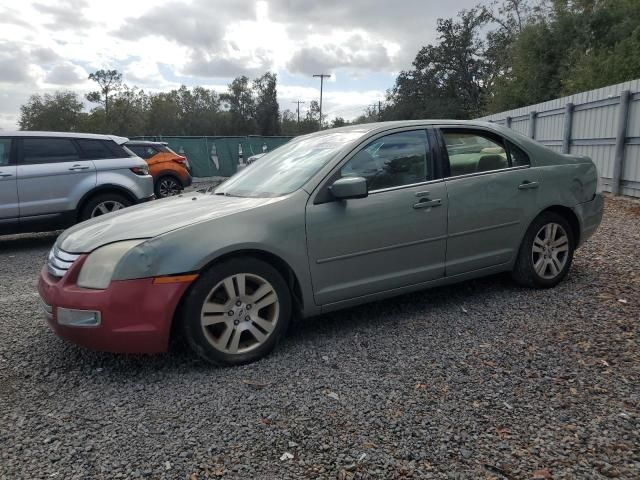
(322, 77)
(298, 102)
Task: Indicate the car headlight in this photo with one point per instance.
(99, 266)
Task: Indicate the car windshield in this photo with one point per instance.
(287, 168)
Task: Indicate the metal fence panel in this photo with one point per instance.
(218, 156)
(603, 124)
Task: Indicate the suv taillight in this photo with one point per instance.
(140, 170)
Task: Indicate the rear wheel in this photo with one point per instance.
(103, 204)
(167, 186)
(237, 312)
(546, 252)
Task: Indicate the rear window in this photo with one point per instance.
(95, 149)
(48, 150)
(143, 151)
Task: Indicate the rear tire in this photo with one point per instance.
(102, 204)
(167, 186)
(546, 252)
(236, 312)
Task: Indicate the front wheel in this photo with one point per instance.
(546, 252)
(237, 311)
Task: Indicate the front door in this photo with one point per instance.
(493, 195)
(8, 184)
(51, 173)
(394, 237)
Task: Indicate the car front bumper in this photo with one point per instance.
(130, 316)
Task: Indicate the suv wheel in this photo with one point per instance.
(546, 252)
(237, 311)
(103, 204)
(167, 187)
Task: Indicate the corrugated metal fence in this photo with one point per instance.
(218, 156)
(603, 124)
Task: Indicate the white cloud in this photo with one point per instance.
(157, 44)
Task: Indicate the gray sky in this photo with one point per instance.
(47, 45)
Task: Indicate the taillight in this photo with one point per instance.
(181, 160)
(140, 170)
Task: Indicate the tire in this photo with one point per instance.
(546, 252)
(167, 186)
(228, 329)
(102, 204)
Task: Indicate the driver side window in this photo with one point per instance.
(391, 161)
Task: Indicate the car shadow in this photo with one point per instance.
(27, 241)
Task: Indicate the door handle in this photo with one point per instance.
(79, 167)
(2, 175)
(527, 185)
(426, 203)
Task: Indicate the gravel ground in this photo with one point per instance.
(478, 380)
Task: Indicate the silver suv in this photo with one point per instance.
(52, 180)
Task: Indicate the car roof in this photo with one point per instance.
(370, 127)
(145, 142)
(90, 136)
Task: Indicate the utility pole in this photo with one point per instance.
(322, 77)
(298, 109)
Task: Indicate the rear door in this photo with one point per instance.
(52, 176)
(8, 183)
(492, 194)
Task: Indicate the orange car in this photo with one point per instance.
(170, 171)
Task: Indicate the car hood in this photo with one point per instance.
(154, 218)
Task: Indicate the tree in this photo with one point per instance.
(338, 122)
(241, 105)
(449, 78)
(58, 112)
(108, 81)
(267, 111)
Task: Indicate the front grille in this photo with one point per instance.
(60, 261)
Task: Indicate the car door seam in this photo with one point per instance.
(379, 249)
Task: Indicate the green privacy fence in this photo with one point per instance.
(218, 156)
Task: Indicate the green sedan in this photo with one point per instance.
(330, 220)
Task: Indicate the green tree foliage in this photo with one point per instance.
(514, 53)
(240, 102)
(109, 81)
(58, 112)
(267, 111)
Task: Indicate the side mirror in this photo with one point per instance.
(349, 187)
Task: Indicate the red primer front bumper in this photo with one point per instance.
(136, 315)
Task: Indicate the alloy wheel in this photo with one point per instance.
(240, 313)
(106, 207)
(168, 187)
(550, 250)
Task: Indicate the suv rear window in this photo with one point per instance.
(143, 151)
(48, 150)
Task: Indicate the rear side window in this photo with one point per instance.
(48, 150)
(95, 149)
(5, 151)
(143, 151)
(518, 157)
(474, 152)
